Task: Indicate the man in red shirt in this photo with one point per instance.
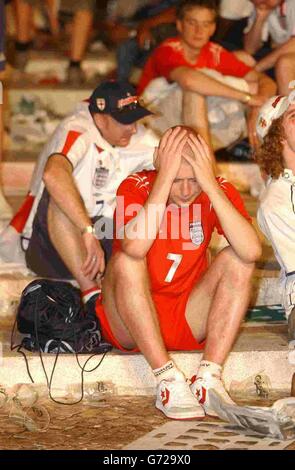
(201, 69)
(159, 293)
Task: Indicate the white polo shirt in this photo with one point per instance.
(276, 218)
(279, 25)
(98, 167)
(235, 9)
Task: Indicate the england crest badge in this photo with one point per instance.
(101, 103)
(196, 232)
(100, 177)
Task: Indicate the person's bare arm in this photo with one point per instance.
(147, 222)
(144, 29)
(196, 81)
(238, 231)
(270, 60)
(224, 25)
(61, 186)
(266, 88)
(253, 38)
(59, 182)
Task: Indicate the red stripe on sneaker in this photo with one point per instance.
(202, 399)
(70, 140)
(20, 219)
(165, 395)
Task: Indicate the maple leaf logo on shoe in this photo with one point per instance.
(165, 394)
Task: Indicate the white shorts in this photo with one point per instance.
(226, 117)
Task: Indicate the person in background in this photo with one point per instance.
(65, 224)
(195, 81)
(276, 212)
(274, 20)
(82, 12)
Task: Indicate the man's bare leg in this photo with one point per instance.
(130, 309)
(133, 320)
(67, 241)
(218, 303)
(194, 114)
(80, 35)
(24, 17)
(215, 310)
(285, 73)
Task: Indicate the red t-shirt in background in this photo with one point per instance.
(170, 55)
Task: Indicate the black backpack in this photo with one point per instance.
(52, 317)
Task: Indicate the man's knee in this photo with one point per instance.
(238, 273)
(124, 267)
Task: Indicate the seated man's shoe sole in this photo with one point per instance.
(184, 415)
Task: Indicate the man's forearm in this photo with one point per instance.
(253, 39)
(266, 86)
(198, 82)
(61, 187)
(166, 16)
(238, 231)
(142, 231)
(270, 60)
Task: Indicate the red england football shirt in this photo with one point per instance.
(178, 256)
(170, 55)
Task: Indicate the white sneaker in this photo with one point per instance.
(176, 401)
(200, 387)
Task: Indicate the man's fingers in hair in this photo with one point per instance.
(179, 139)
(164, 139)
(205, 146)
(189, 159)
(181, 144)
(196, 147)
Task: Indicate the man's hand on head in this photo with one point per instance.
(168, 155)
(94, 264)
(202, 162)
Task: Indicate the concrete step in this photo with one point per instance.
(52, 64)
(14, 278)
(256, 350)
(18, 165)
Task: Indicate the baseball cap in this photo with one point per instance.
(119, 100)
(271, 110)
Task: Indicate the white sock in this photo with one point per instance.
(168, 371)
(208, 367)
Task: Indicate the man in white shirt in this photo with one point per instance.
(233, 10)
(91, 152)
(274, 19)
(276, 214)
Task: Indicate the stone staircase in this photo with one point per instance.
(258, 348)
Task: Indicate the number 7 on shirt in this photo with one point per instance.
(176, 262)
